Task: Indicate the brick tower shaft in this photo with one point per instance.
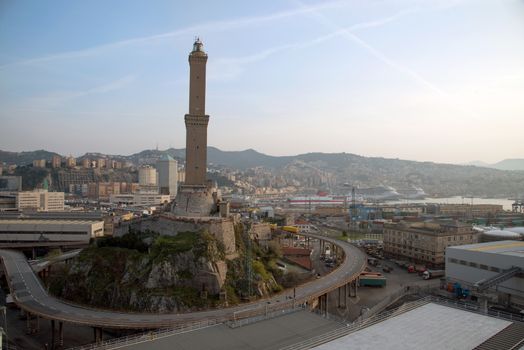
(196, 121)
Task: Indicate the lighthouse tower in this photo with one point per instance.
(196, 119)
(196, 197)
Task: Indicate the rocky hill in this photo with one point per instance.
(147, 272)
(127, 274)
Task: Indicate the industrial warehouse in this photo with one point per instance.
(495, 269)
(49, 231)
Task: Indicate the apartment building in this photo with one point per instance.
(426, 242)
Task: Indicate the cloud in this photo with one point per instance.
(59, 97)
(232, 66)
(348, 34)
(191, 30)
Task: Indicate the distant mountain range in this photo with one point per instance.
(237, 159)
(506, 164)
(434, 178)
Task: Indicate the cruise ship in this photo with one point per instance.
(379, 193)
(412, 193)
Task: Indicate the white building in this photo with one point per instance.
(147, 176)
(40, 200)
(49, 230)
(167, 169)
(474, 263)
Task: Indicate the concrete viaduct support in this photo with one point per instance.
(54, 342)
(343, 296)
(353, 288)
(32, 323)
(98, 335)
(61, 334)
(323, 304)
(53, 334)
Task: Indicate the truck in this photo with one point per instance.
(416, 268)
(290, 229)
(372, 281)
(429, 274)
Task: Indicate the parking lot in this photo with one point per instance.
(370, 296)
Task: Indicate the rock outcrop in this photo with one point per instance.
(179, 273)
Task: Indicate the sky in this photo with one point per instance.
(412, 79)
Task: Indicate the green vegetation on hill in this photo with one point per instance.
(145, 271)
(261, 261)
(132, 240)
(31, 177)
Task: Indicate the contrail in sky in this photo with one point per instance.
(191, 30)
(348, 34)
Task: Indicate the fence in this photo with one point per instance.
(473, 307)
(266, 316)
(398, 294)
(146, 337)
(260, 315)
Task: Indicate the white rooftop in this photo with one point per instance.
(47, 222)
(507, 247)
(427, 327)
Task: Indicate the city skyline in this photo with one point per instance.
(284, 79)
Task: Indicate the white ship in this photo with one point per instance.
(379, 193)
(412, 193)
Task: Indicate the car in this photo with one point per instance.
(387, 269)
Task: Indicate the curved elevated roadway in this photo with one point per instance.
(29, 294)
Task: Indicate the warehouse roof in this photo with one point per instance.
(497, 247)
(430, 326)
(49, 222)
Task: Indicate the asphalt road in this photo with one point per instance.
(30, 295)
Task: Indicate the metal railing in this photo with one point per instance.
(146, 337)
(408, 289)
(473, 307)
(264, 316)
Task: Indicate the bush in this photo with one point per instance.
(260, 269)
(128, 241)
(164, 246)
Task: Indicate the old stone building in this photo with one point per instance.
(425, 242)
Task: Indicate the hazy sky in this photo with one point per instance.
(424, 80)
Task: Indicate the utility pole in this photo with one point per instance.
(249, 270)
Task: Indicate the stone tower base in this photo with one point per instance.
(194, 200)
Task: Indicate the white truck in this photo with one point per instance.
(429, 274)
